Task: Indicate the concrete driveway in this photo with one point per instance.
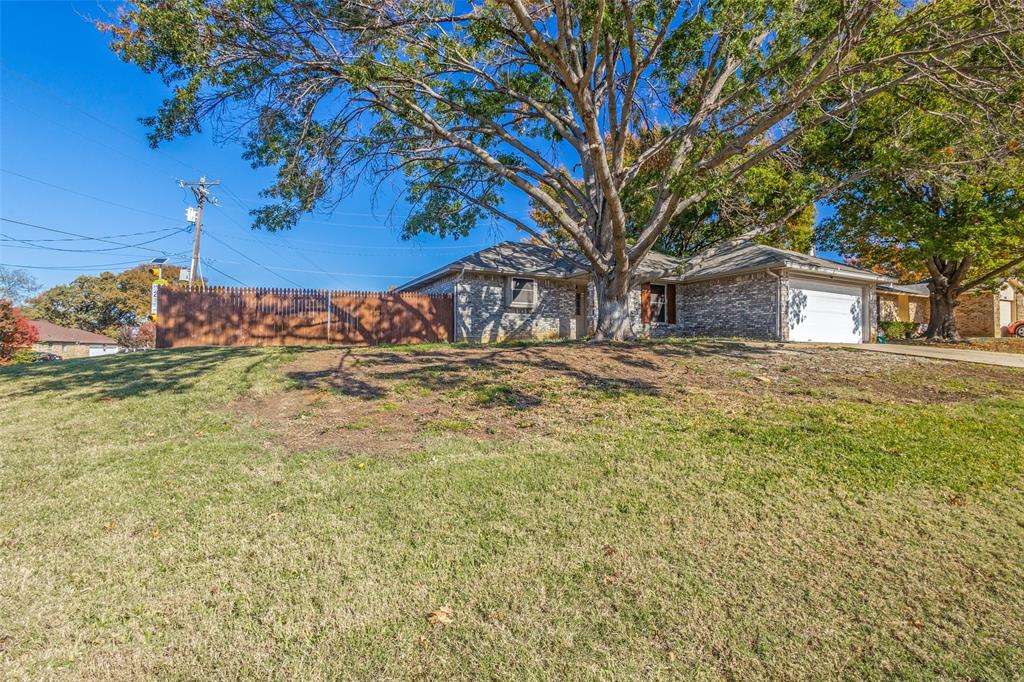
(984, 357)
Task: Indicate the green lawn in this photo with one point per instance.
(691, 509)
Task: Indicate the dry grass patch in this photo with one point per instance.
(384, 401)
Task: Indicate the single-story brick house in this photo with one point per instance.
(71, 343)
(978, 312)
(517, 290)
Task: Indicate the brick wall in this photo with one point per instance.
(744, 305)
(977, 314)
(64, 350)
(481, 313)
(888, 307)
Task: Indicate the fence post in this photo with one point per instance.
(328, 316)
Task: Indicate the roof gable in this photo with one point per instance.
(749, 256)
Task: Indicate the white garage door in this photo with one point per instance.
(823, 311)
(101, 350)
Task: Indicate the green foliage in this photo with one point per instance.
(897, 329)
(627, 124)
(924, 180)
(103, 303)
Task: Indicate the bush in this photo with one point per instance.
(897, 329)
(137, 337)
(16, 333)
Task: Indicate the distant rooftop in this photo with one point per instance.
(54, 333)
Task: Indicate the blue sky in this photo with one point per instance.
(75, 158)
(70, 137)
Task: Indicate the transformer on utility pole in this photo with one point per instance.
(199, 189)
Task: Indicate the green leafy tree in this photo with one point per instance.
(16, 285)
(468, 102)
(930, 192)
(103, 303)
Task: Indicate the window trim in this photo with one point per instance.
(508, 293)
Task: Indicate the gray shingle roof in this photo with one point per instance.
(523, 258)
(920, 289)
(750, 256)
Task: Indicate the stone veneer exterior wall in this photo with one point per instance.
(445, 285)
(742, 305)
(481, 313)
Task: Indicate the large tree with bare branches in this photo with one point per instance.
(470, 101)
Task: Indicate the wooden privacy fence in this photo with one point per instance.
(222, 316)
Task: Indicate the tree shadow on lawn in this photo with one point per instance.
(125, 375)
(598, 370)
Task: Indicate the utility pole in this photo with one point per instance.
(199, 189)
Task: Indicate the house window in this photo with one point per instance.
(579, 303)
(522, 292)
(658, 303)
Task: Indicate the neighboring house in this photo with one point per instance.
(517, 290)
(978, 312)
(71, 343)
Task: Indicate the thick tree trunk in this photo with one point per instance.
(941, 320)
(613, 320)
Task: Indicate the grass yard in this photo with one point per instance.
(693, 509)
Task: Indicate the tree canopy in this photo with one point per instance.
(467, 102)
(102, 303)
(929, 192)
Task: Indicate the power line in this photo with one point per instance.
(230, 218)
(233, 279)
(74, 267)
(107, 236)
(319, 272)
(76, 234)
(107, 250)
(253, 260)
(83, 194)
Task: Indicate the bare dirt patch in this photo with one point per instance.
(387, 401)
(1000, 345)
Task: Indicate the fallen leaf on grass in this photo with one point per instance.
(610, 551)
(442, 616)
(956, 500)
